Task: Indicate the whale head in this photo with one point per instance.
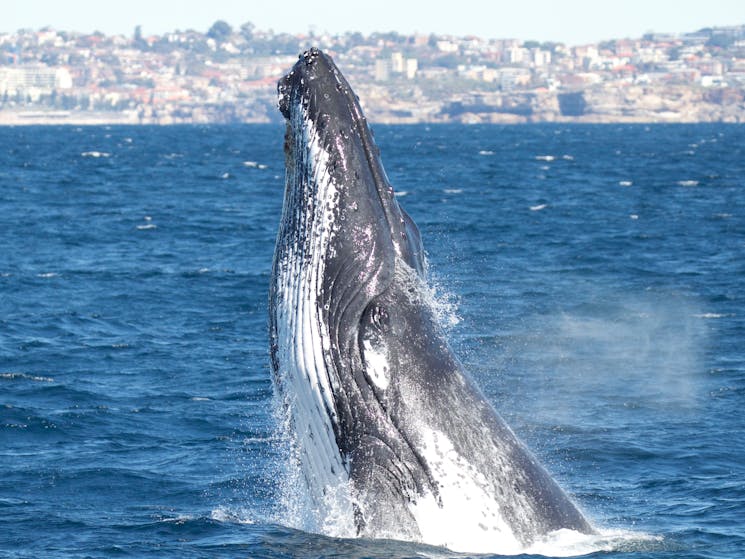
(328, 140)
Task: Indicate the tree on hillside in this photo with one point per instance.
(139, 40)
(220, 31)
(721, 41)
(247, 30)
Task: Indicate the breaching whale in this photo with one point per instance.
(392, 438)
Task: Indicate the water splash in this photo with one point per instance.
(568, 543)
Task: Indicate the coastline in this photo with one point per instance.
(93, 118)
(394, 104)
(227, 76)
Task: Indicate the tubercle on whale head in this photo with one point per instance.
(316, 94)
(297, 74)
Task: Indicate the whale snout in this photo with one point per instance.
(298, 80)
(297, 76)
(316, 84)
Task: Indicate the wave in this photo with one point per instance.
(25, 376)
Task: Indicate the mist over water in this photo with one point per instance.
(644, 349)
(596, 297)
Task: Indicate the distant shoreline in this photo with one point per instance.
(87, 118)
(77, 118)
(50, 77)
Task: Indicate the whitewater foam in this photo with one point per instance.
(240, 516)
(569, 543)
(25, 376)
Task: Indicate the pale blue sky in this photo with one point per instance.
(569, 21)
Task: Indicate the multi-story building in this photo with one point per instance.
(34, 80)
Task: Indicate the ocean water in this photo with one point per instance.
(592, 279)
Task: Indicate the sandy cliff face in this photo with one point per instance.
(600, 103)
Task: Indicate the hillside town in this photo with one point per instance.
(229, 75)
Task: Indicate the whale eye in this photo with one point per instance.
(379, 317)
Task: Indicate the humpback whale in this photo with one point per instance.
(392, 437)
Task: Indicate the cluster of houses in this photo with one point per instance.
(229, 75)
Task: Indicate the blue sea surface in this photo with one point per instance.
(592, 280)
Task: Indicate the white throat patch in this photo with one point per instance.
(305, 371)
